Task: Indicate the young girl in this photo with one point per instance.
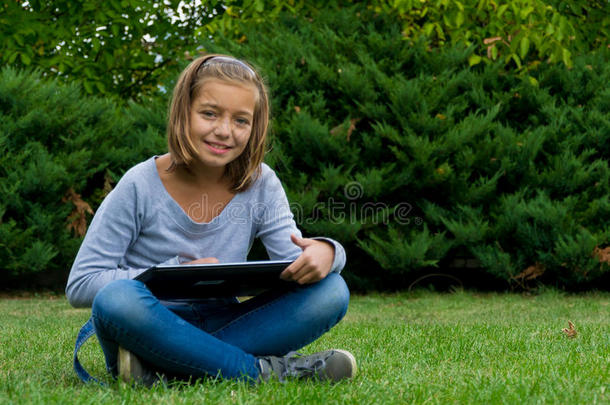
(205, 202)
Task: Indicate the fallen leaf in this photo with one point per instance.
(77, 220)
(297, 109)
(571, 331)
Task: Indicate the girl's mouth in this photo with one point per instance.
(217, 148)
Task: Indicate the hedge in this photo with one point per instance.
(415, 161)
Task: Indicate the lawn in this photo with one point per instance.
(419, 347)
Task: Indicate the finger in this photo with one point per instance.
(310, 277)
(204, 260)
(302, 272)
(288, 273)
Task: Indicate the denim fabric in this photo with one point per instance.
(214, 336)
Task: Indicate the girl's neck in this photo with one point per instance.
(197, 175)
(203, 176)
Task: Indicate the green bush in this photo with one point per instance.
(60, 152)
(413, 158)
(409, 156)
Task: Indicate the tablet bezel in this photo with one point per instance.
(191, 281)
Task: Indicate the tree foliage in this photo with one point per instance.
(414, 159)
(518, 32)
(60, 153)
(130, 48)
(118, 47)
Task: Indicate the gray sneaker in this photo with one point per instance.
(132, 370)
(333, 365)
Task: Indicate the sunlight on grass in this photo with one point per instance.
(411, 348)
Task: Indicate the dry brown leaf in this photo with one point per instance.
(531, 272)
(107, 184)
(297, 109)
(77, 220)
(571, 331)
(352, 126)
(350, 129)
(603, 255)
(488, 41)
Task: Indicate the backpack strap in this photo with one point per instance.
(84, 334)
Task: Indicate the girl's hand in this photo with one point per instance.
(313, 264)
(203, 260)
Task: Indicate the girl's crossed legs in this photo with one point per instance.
(213, 337)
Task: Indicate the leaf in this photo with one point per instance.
(524, 47)
(603, 255)
(494, 52)
(533, 81)
(107, 184)
(25, 58)
(501, 10)
(525, 12)
(459, 19)
(77, 220)
(531, 272)
(474, 60)
(350, 129)
(566, 57)
(570, 331)
(491, 40)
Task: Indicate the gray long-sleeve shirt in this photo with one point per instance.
(139, 225)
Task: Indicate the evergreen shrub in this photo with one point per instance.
(415, 160)
(60, 153)
(411, 158)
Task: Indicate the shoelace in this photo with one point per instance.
(297, 365)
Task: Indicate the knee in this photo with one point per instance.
(120, 300)
(335, 294)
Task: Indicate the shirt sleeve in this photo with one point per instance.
(277, 224)
(114, 227)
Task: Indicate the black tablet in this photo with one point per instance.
(191, 281)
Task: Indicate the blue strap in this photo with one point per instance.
(84, 334)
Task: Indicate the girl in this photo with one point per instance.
(204, 202)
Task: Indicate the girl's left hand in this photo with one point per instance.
(313, 264)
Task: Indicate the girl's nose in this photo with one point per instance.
(224, 127)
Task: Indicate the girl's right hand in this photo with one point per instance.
(203, 260)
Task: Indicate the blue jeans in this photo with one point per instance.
(214, 336)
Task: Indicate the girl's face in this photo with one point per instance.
(221, 121)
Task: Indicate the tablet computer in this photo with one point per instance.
(191, 281)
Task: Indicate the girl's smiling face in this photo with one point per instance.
(221, 121)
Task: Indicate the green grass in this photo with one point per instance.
(419, 347)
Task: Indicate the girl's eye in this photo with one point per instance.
(242, 121)
(208, 114)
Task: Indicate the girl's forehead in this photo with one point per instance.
(214, 85)
(230, 95)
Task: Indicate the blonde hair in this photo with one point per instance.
(242, 171)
